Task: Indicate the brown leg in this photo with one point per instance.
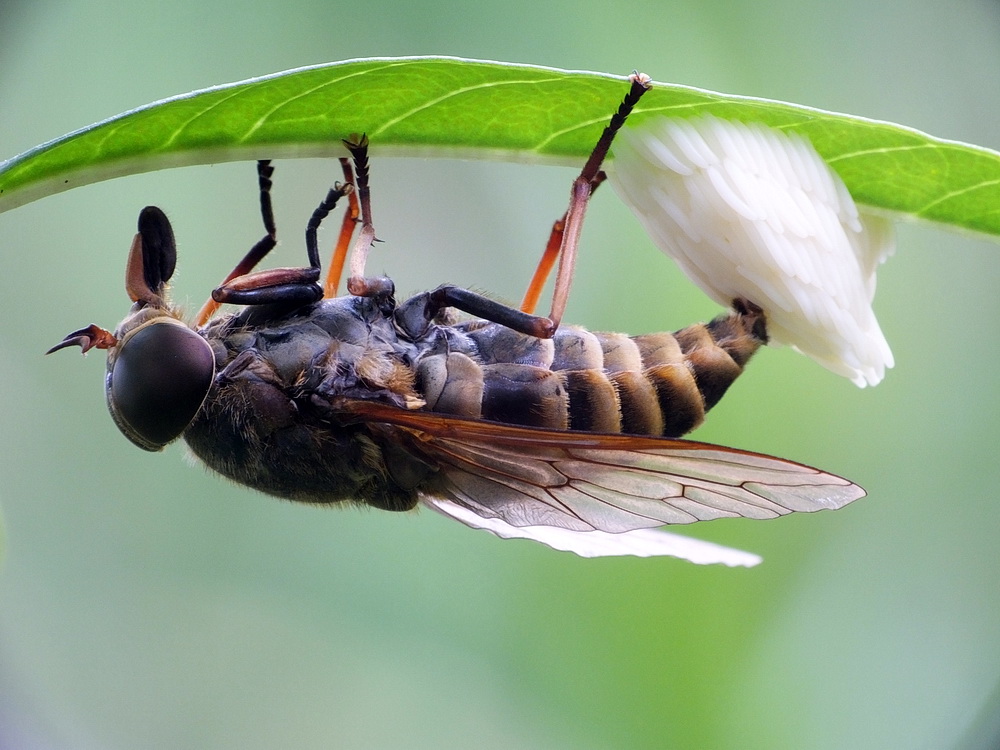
(344, 239)
(357, 284)
(568, 235)
(545, 265)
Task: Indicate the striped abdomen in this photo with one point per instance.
(655, 384)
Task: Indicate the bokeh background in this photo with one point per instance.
(146, 604)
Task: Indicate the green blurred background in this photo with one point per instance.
(145, 604)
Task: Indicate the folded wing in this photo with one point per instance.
(553, 486)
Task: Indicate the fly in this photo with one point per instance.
(507, 421)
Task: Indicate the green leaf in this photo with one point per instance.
(449, 106)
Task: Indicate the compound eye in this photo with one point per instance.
(158, 381)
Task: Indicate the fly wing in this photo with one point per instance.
(525, 478)
(640, 542)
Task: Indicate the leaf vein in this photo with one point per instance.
(452, 94)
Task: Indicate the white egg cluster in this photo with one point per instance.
(750, 211)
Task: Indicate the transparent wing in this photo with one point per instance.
(640, 543)
(586, 482)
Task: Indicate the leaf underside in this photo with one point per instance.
(476, 109)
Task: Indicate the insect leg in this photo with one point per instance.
(545, 265)
(567, 231)
(321, 212)
(416, 314)
(296, 286)
(259, 250)
(344, 239)
(548, 260)
(357, 283)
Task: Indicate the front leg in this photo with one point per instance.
(292, 286)
(297, 286)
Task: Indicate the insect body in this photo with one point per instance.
(277, 417)
(507, 421)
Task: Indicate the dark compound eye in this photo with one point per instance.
(158, 381)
